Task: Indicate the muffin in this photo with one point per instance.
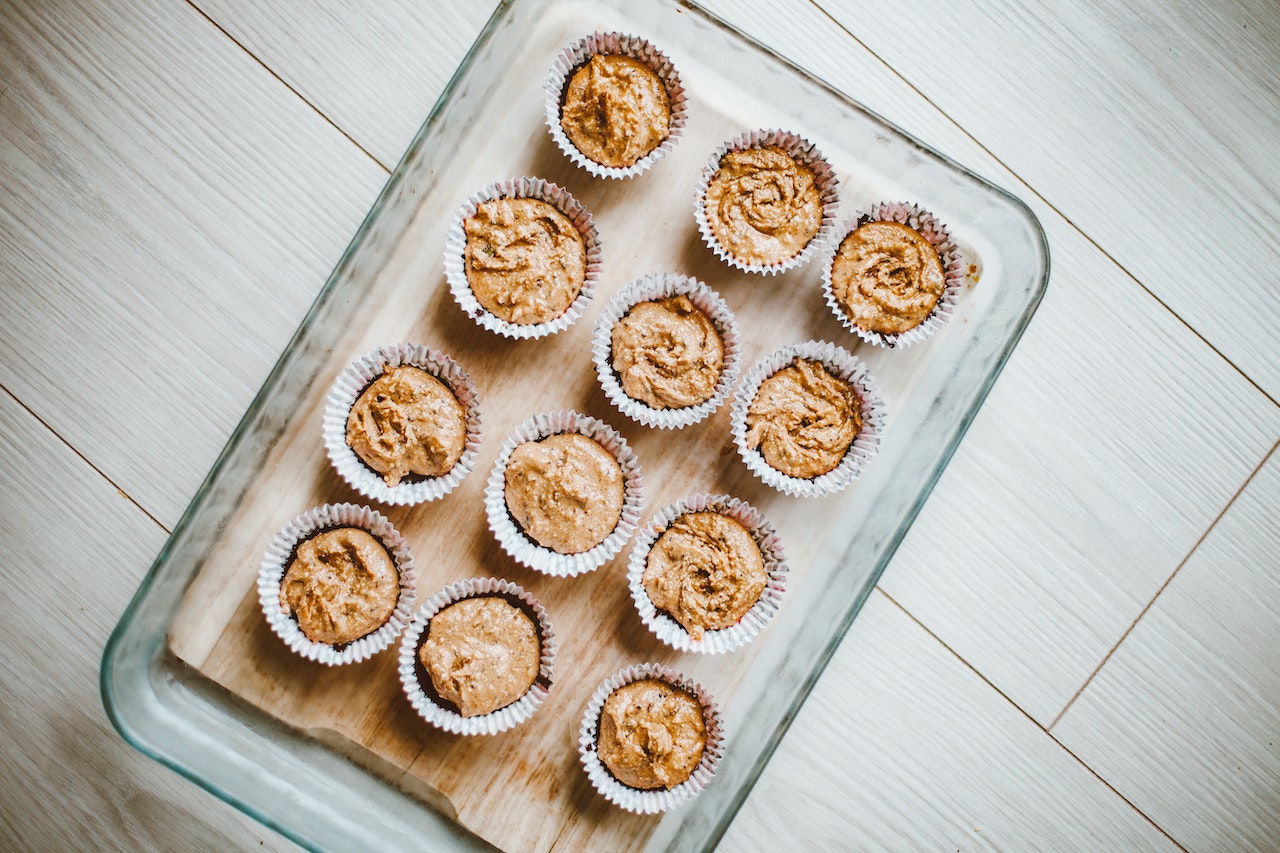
(402, 424)
(337, 583)
(614, 104)
(565, 493)
(407, 423)
(652, 734)
(481, 654)
(522, 257)
(764, 200)
(894, 277)
(707, 574)
(803, 419)
(650, 739)
(808, 419)
(478, 657)
(615, 110)
(340, 586)
(666, 350)
(525, 261)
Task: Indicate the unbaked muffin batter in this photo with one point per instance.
(763, 207)
(651, 735)
(525, 261)
(407, 422)
(706, 571)
(615, 110)
(803, 419)
(887, 277)
(482, 654)
(341, 585)
(565, 492)
(667, 354)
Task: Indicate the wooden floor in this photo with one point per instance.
(1076, 648)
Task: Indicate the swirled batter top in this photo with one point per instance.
(407, 422)
(525, 261)
(652, 734)
(482, 654)
(803, 419)
(615, 110)
(706, 571)
(341, 585)
(887, 277)
(763, 206)
(667, 353)
(565, 491)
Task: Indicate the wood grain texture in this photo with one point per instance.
(1193, 693)
(930, 758)
(74, 550)
(170, 211)
(373, 70)
(1140, 121)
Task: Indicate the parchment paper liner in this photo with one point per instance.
(663, 625)
(659, 800)
(648, 289)
(351, 383)
(455, 268)
(275, 562)
(579, 53)
(497, 721)
(933, 230)
(514, 540)
(804, 153)
(842, 365)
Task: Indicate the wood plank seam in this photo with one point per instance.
(1046, 202)
(1030, 718)
(142, 509)
(1163, 586)
(285, 83)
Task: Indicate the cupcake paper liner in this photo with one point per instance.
(275, 563)
(351, 383)
(483, 724)
(842, 365)
(659, 800)
(514, 540)
(648, 289)
(579, 53)
(804, 153)
(932, 229)
(455, 267)
(664, 626)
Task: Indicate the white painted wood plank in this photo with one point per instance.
(373, 69)
(1184, 719)
(169, 211)
(74, 550)
(1152, 126)
(929, 757)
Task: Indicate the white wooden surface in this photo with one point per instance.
(176, 181)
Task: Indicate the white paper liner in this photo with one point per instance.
(842, 365)
(659, 800)
(514, 540)
(804, 153)
(352, 382)
(933, 230)
(579, 53)
(482, 724)
(663, 625)
(648, 289)
(456, 243)
(275, 562)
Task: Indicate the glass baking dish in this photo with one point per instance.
(156, 672)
